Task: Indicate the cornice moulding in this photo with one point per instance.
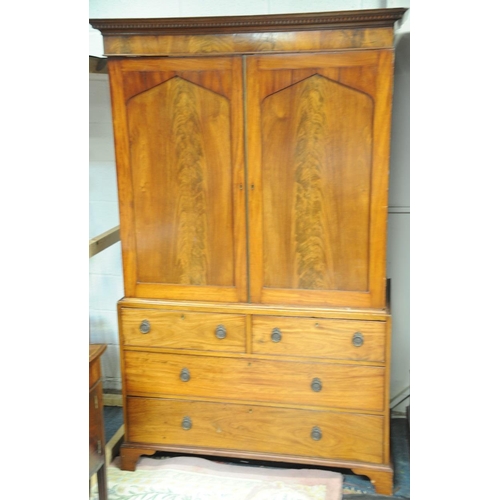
(242, 24)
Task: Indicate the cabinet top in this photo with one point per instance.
(277, 33)
(250, 24)
(95, 350)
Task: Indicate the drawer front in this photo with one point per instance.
(256, 428)
(317, 337)
(183, 330)
(312, 384)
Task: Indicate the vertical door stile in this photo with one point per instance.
(238, 143)
(123, 177)
(253, 155)
(245, 184)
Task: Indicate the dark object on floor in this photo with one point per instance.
(113, 420)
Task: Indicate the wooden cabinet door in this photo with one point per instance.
(179, 147)
(318, 151)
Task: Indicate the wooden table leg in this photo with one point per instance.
(102, 483)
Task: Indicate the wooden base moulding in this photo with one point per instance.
(381, 476)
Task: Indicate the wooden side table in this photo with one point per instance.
(97, 441)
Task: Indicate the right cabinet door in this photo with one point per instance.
(318, 128)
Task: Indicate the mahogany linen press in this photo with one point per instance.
(252, 159)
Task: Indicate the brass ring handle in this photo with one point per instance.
(276, 335)
(316, 433)
(358, 339)
(145, 326)
(185, 375)
(316, 385)
(220, 332)
(187, 423)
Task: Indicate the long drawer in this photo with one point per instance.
(249, 379)
(256, 428)
(318, 337)
(183, 330)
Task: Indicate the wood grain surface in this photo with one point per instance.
(247, 43)
(323, 338)
(256, 428)
(252, 379)
(183, 330)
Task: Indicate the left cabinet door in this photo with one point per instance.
(178, 127)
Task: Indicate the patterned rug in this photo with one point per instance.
(189, 478)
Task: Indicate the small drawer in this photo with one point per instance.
(249, 379)
(316, 337)
(256, 428)
(183, 330)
